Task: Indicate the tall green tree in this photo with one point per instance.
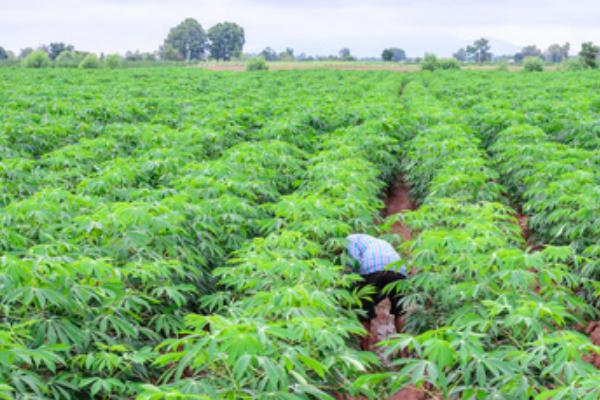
(54, 49)
(589, 54)
(37, 59)
(393, 54)
(3, 53)
(555, 53)
(186, 41)
(528, 51)
(461, 54)
(287, 54)
(345, 54)
(25, 52)
(269, 54)
(226, 40)
(479, 51)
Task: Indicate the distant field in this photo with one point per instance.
(344, 66)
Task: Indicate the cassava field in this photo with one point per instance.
(179, 233)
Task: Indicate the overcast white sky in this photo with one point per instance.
(311, 26)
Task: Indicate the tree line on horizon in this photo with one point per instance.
(189, 42)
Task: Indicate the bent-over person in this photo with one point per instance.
(374, 257)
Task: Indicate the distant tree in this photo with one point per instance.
(113, 61)
(68, 59)
(268, 54)
(90, 61)
(54, 49)
(226, 40)
(393, 54)
(188, 39)
(257, 64)
(25, 52)
(37, 59)
(555, 53)
(139, 56)
(167, 52)
(345, 54)
(287, 55)
(528, 51)
(461, 54)
(589, 54)
(430, 62)
(533, 64)
(572, 64)
(448, 63)
(479, 51)
(3, 53)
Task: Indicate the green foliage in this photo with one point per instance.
(557, 53)
(68, 59)
(37, 59)
(449, 63)
(478, 52)
(530, 51)
(503, 66)
(345, 54)
(487, 317)
(186, 41)
(589, 54)
(257, 64)
(179, 233)
(135, 213)
(430, 62)
(560, 193)
(572, 64)
(113, 61)
(90, 61)
(57, 48)
(533, 64)
(226, 40)
(3, 53)
(393, 54)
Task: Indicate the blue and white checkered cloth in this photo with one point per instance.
(372, 254)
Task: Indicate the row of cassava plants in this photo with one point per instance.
(558, 186)
(103, 282)
(126, 195)
(487, 318)
(282, 327)
(564, 105)
(555, 184)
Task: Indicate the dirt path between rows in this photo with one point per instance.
(397, 201)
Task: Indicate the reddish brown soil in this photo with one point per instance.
(593, 329)
(398, 201)
(523, 219)
(411, 393)
(408, 393)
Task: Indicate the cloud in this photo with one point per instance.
(311, 26)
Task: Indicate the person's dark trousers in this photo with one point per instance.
(379, 280)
